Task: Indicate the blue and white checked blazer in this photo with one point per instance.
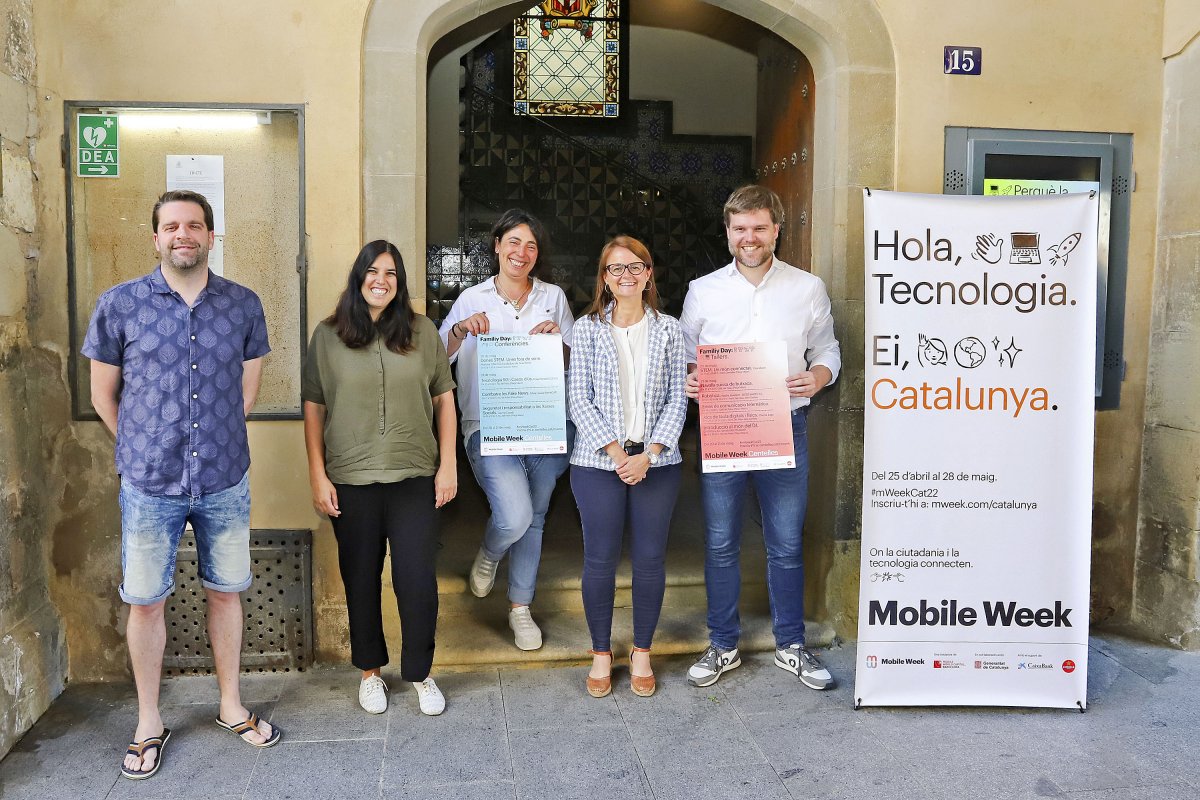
(595, 389)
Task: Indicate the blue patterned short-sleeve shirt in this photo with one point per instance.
(181, 429)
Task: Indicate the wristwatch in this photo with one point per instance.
(653, 456)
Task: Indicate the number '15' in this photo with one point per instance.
(962, 61)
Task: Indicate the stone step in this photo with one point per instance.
(473, 631)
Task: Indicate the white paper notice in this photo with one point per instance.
(216, 256)
(203, 174)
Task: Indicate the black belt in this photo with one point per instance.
(633, 448)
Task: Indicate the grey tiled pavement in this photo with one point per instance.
(520, 734)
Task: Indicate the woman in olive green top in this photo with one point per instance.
(376, 381)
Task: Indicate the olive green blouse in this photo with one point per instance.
(378, 404)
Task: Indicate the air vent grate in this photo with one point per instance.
(278, 608)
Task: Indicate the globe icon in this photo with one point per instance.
(970, 352)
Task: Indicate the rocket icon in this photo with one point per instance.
(1060, 251)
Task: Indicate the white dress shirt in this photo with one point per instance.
(545, 302)
(789, 304)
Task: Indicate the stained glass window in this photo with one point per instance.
(566, 59)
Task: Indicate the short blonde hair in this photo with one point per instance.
(752, 198)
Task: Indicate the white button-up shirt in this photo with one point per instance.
(545, 302)
(789, 304)
(632, 345)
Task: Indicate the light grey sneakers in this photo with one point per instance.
(527, 634)
(373, 695)
(433, 702)
(804, 665)
(712, 663)
(483, 575)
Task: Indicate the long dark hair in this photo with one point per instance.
(351, 317)
(601, 296)
(511, 219)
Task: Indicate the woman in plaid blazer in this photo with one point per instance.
(627, 400)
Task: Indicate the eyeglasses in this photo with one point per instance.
(617, 270)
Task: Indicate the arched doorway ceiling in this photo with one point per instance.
(846, 42)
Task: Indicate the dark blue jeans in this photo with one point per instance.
(607, 506)
(783, 498)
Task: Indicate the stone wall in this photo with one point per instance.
(1167, 577)
(33, 656)
(365, 137)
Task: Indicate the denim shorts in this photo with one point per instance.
(152, 525)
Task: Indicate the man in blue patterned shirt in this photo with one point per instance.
(176, 360)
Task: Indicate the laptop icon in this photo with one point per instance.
(1024, 248)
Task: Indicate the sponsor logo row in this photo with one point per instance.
(1030, 665)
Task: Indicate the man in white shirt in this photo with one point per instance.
(758, 298)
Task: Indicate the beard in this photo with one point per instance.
(762, 256)
(184, 263)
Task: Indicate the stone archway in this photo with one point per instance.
(852, 59)
(847, 43)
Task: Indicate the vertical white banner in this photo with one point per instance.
(977, 466)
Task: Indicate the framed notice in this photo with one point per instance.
(745, 414)
(522, 394)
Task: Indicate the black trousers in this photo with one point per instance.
(400, 515)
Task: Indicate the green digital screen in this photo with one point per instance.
(1029, 188)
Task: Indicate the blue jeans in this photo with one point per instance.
(152, 525)
(608, 507)
(783, 498)
(518, 489)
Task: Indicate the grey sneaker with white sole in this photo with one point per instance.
(801, 662)
(713, 663)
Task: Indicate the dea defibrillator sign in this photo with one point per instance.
(97, 151)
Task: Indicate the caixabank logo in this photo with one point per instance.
(1034, 665)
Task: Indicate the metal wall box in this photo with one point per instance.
(975, 154)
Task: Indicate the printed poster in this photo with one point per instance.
(745, 413)
(977, 463)
(522, 394)
(204, 175)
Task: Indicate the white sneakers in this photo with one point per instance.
(481, 580)
(373, 695)
(527, 634)
(483, 575)
(433, 702)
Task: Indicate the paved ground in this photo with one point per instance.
(534, 733)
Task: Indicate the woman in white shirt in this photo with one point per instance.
(518, 487)
(628, 403)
